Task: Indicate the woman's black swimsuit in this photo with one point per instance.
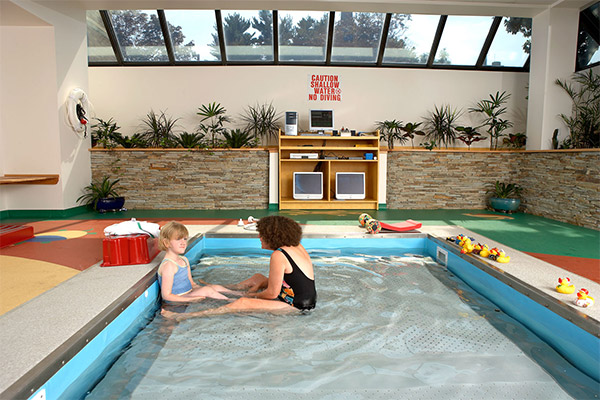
(297, 290)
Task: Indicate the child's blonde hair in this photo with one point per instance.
(171, 230)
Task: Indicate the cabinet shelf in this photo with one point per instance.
(329, 146)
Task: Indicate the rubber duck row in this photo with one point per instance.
(583, 295)
(468, 246)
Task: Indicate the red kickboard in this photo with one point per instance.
(407, 225)
(10, 234)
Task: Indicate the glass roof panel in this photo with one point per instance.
(356, 37)
(511, 45)
(194, 35)
(588, 52)
(410, 38)
(139, 35)
(462, 40)
(248, 35)
(99, 47)
(303, 36)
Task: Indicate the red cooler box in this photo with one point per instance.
(129, 250)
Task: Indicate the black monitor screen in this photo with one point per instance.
(321, 119)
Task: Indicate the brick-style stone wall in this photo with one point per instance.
(562, 185)
(183, 179)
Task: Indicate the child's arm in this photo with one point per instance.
(189, 270)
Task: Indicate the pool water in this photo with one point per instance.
(385, 326)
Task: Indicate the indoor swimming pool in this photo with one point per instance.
(390, 321)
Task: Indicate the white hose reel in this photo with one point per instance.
(77, 107)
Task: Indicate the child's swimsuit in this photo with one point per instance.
(181, 282)
(297, 290)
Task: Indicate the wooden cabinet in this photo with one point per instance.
(335, 154)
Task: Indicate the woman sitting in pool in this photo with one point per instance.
(291, 281)
(174, 274)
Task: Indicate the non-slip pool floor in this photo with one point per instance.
(384, 327)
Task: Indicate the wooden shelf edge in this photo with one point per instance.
(29, 179)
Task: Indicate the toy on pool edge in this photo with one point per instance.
(565, 286)
(498, 255)
(485, 251)
(467, 246)
(583, 298)
(373, 226)
(363, 218)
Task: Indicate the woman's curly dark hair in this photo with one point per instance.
(277, 231)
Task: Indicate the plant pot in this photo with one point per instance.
(505, 205)
(110, 204)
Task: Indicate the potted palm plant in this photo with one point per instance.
(505, 197)
(102, 196)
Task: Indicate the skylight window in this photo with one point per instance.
(303, 36)
(462, 40)
(356, 37)
(194, 35)
(140, 35)
(511, 45)
(248, 35)
(410, 38)
(99, 47)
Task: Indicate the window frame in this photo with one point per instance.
(329, 47)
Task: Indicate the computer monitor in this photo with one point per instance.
(321, 120)
(349, 185)
(308, 185)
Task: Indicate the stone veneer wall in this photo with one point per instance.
(184, 179)
(561, 185)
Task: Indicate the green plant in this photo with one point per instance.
(214, 116)
(469, 135)
(189, 140)
(104, 133)
(440, 125)
(503, 190)
(390, 130)
(429, 145)
(237, 138)
(515, 140)
(98, 190)
(158, 130)
(262, 120)
(492, 109)
(410, 130)
(136, 140)
(584, 121)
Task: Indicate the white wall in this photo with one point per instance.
(368, 94)
(29, 121)
(41, 61)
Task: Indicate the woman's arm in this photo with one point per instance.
(276, 271)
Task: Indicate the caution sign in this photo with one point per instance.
(324, 88)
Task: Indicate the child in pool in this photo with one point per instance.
(174, 274)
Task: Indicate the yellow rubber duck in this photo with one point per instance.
(583, 298)
(485, 251)
(477, 248)
(467, 246)
(502, 257)
(564, 286)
